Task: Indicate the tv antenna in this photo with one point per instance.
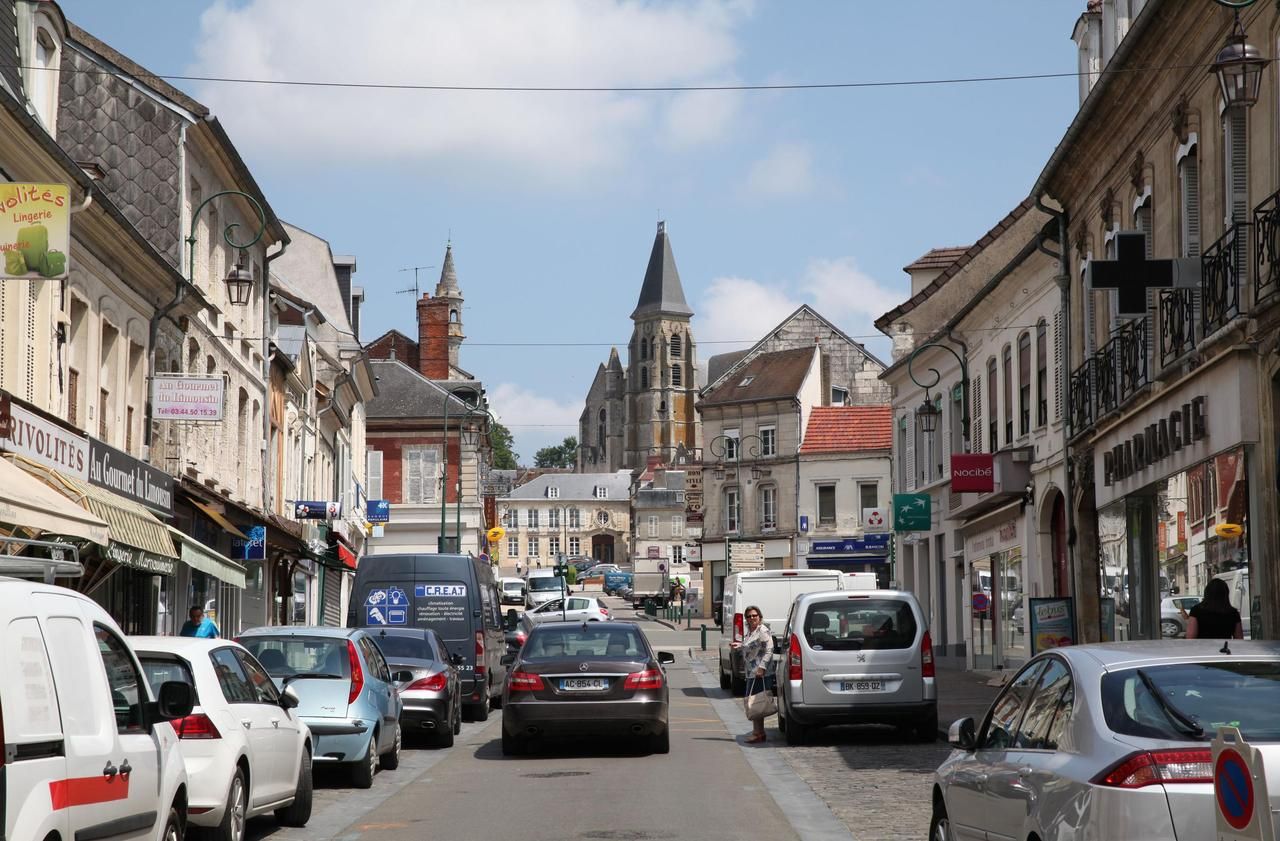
(415, 289)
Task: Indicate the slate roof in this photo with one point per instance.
(848, 429)
(9, 58)
(577, 486)
(661, 292)
(448, 285)
(937, 258)
(721, 362)
(306, 268)
(404, 393)
(770, 376)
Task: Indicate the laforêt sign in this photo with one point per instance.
(1183, 427)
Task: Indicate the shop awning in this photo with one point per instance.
(219, 518)
(198, 556)
(28, 502)
(347, 557)
(131, 526)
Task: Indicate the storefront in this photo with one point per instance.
(995, 562)
(777, 555)
(1173, 494)
(868, 553)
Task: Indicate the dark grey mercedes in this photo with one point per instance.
(586, 679)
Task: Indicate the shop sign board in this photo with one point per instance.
(973, 473)
(35, 230)
(1157, 441)
(745, 556)
(1053, 623)
(317, 510)
(378, 511)
(1000, 537)
(874, 544)
(875, 519)
(253, 549)
(139, 559)
(912, 512)
(190, 399)
(131, 478)
(43, 441)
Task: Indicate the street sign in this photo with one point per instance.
(495, 534)
(745, 556)
(980, 602)
(875, 519)
(912, 512)
(1242, 806)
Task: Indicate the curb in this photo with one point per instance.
(642, 618)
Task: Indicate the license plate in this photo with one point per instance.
(862, 686)
(578, 684)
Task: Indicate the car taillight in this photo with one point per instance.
(604, 610)
(525, 682)
(357, 673)
(1158, 767)
(926, 656)
(521, 636)
(196, 726)
(648, 679)
(795, 663)
(480, 668)
(737, 627)
(431, 683)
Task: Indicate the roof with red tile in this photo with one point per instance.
(937, 258)
(848, 429)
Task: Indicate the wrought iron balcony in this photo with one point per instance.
(1178, 324)
(1223, 270)
(1132, 364)
(1080, 398)
(1266, 249)
(1106, 396)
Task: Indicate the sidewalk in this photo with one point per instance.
(965, 694)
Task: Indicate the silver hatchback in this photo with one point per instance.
(1108, 741)
(856, 657)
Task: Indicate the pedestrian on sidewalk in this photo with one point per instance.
(517, 567)
(757, 654)
(1214, 618)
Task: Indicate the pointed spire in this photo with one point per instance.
(661, 292)
(615, 362)
(448, 285)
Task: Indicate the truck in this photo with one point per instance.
(650, 580)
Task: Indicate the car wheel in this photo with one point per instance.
(457, 715)
(511, 745)
(796, 733)
(172, 826)
(660, 742)
(362, 772)
(478, 712)
(940, 826)
(726, 683)
(391, 761)
(1170, 628)
(233, 819)
(495, 700)
(298, 812)
(444, 735)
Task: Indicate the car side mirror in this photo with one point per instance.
(507, 659)
(402, 676)
(963, 734)
(289, 698)
(175, 700)
(666, 657)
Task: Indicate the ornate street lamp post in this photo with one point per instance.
(1239, 64)
(928, 413)
(729, 448)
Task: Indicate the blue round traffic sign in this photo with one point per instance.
(1233, 789)
(981, 602)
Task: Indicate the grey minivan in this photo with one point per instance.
(856, 657)
(454, 595)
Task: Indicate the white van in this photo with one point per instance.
(773, 591)
(87, 752)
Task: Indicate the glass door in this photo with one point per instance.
(982, 616)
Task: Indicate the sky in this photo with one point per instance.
(771, 198)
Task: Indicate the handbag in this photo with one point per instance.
(760, 701)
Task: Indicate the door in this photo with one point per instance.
(379, 676)
(283, 735)
(495, 640)
(579, 609)
(248, 717)
(33, 727)
(969, 802)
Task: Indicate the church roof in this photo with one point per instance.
(661, 293)
(448, 285)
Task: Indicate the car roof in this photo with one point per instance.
(1113, 655)
(854, 595)
(303, 631)
(182, 646)
(421, 633)
(593, 625)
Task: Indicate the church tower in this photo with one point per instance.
(447, 290)
(661, 381)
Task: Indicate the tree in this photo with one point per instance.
(504, 457)
(563, 455)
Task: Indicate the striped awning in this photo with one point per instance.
(128, 522)
(198, 556)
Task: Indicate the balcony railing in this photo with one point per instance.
(1133, 368)
(1080, 397)
(1106, 396)
(1266, 249)
(1178, 321)
(1223, 270)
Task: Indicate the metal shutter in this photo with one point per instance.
(911, 453)
(1144, 221)
(1060, 363)
(331, 597)
(977, 422)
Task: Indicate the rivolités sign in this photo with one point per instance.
(35, 230)
(129, 477)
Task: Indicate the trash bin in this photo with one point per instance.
(650, 607)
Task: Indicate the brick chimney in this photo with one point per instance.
(433, 338)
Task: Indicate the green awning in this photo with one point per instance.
(198, 556)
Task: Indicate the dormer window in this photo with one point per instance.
(46, 60)
(747, 380)
(601, 492)
(553, 492)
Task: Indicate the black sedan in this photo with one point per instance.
(586, 679)
(427, 677)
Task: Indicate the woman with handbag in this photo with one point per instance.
(757, 657)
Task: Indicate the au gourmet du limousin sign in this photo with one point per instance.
(35, 230)
(183, 398)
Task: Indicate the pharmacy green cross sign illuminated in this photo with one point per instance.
(912, 512)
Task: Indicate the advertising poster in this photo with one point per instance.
(1052, 623)
(35, 230)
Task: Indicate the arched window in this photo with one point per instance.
(1006, 358)
(993, 426)
(644, 377)
(44, 74)
(453, 316)
(1042, 373)
(600, 431)
(676, 375)
(677, 346)
(644, 349)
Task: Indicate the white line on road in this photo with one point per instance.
(808, 814)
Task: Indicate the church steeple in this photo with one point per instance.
(447, 289)
(661, 292)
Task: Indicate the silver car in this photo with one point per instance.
(853, 657)
(569, 609)
(1173, 614)
(1107, 741)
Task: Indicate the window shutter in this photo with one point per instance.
(412, 458)
(1237, 146)
(1059, 364)
(977, 421)
(375, 474)
(1146, 225)
(1190, 179)
(911, 453)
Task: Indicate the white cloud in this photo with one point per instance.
(840, 288)
(535, 420)
(787, 171)
(737, 309)
(609, 43)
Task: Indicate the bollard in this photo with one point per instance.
(704, 636)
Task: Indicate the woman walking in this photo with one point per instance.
(1214, 617)
(757, 657)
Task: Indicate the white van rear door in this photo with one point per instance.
(32, 733)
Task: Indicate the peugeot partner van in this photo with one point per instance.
(454, 595)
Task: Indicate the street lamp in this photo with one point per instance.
(1239, 64)
(928, 413)
(467, 434)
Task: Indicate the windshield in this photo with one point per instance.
(554, 643)
(403, 647)
(512, 586)
(284, 657)
(855, 624)
(1244, 695)
(546, 582)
